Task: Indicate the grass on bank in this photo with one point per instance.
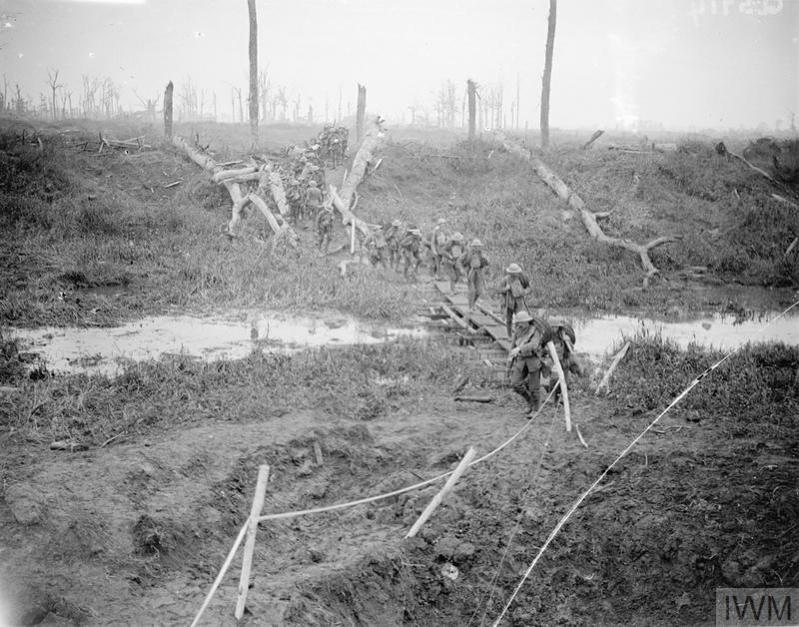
(360, 383)
(73, 223)
(78, 222)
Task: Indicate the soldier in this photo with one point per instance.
(377, 246)
(411, 249)
(514, 286)
(564, 339)
(438, 240)
(451, 258)
(474, 262)
(530, 335)
(394, 235)
(324, 228)
(313, 199)
(296, 198)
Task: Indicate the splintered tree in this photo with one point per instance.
(360, 112)
(553, 8)
(253, 72)
(168, 109)
(52, 80)
(471, 91)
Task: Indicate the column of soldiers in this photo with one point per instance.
(448, 254)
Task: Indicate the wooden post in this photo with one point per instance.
(249, 546)
(352, 239)
(168, 110)
(221, 574)
(360, 112)
(471, 91)
(453, 478)
(562, 382)
(606, 379)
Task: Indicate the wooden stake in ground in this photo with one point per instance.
(588, 217)
(562, 383)
(616, 361)
(221, 574)
(453, 478)
(249, 546)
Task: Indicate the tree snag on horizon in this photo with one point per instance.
(168, 110)
(547, 79)
(253, 51)
(360, 112)
(471, 93)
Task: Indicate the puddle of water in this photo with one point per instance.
(96, 350)
(599, 336)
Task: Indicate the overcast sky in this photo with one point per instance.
(682, 63)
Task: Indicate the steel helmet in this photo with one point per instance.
(476, 243)
(513, 268)
(396, 223)
(457, 236)
(312, 183)
(522, 316)
(441, 221)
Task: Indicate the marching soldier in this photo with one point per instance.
(411, 249)
(564, 339)
(530, 336)
(394, 235)
(514, 286)
(474, 261)
(324, 228)
(377, 246)
(313, 199)
(438, 240)
(451, 257)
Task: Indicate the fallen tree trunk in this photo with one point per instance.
(347, 217)
(277, 191)
(588, 217)
(365, 155)
(594, 137)
(232, 180)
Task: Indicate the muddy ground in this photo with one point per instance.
(133, 529)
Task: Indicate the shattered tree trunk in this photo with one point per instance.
(232, 180)
(342, 200)
(253, 53)
(588, 217)
(168, 110)
(547, 79)
(471, 90)
(360, 112)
